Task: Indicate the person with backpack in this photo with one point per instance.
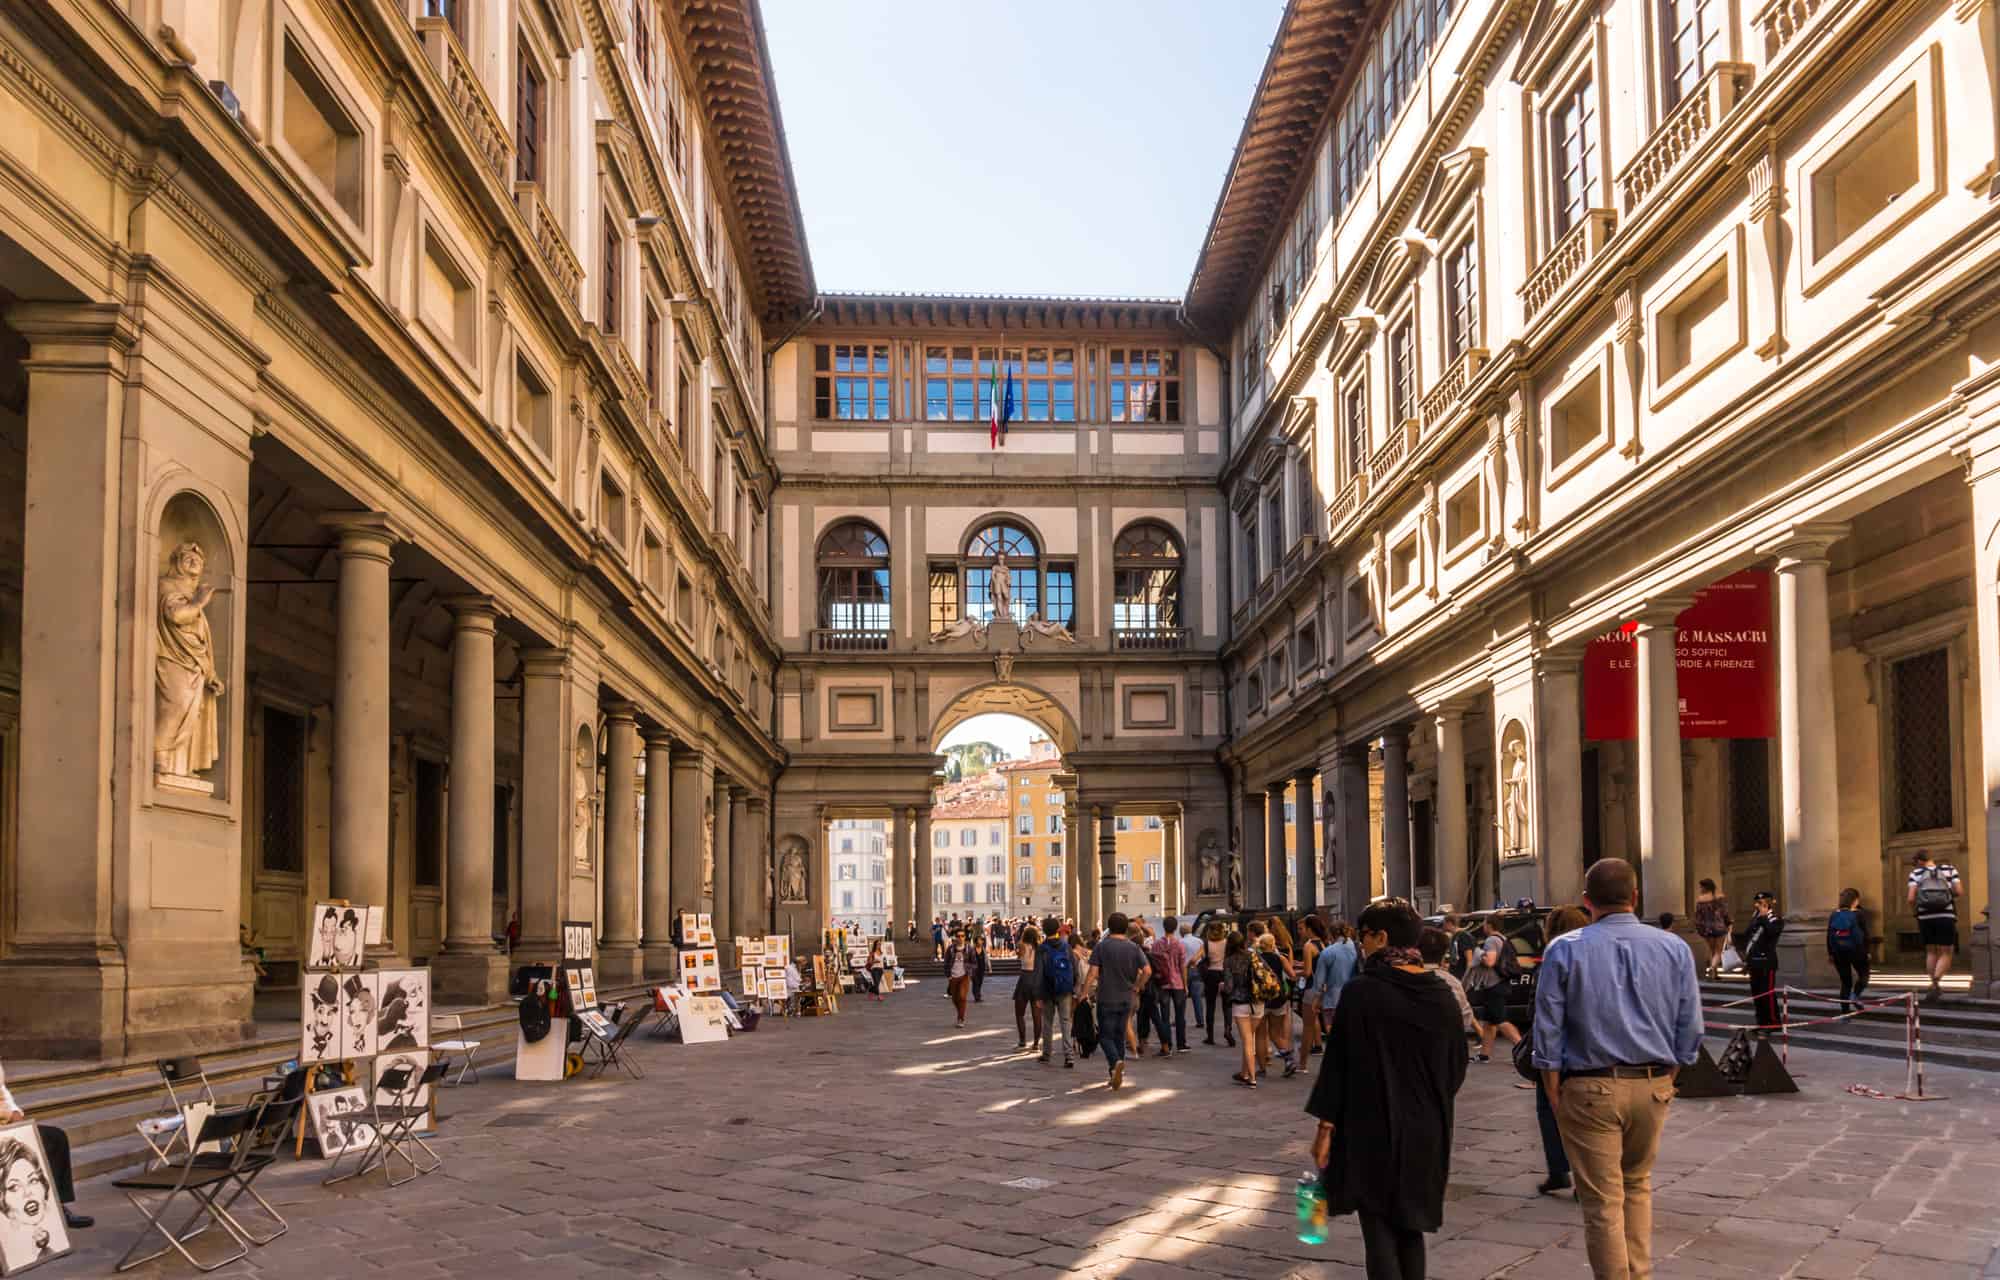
(1492, 967)
(1847, 947)
(1028, 988)
(1760, 957)
(1934, 891)
(1239, 970)
(1056, 967)
(1271, 983)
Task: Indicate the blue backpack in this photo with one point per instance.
(1844, 935)
(1058, 970)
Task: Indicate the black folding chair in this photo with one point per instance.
(395, 1129)
(201, 1178)
(257, 1151)
(609, 1051)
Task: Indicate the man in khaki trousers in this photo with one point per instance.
(1617, 1014)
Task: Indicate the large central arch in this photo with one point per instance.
(1009, 698)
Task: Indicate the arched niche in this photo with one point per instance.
(583, 802)
(193, 647)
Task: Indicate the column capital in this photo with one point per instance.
(1657, 613)
(1449, 710)
(1398, 734)
(60, 333)
(473, 612)
(369, 534)
(619, 711)
(738, 793)
(656, 739)
(545, 664)
(1278, 788)
(1799, 545)
(1303, 775)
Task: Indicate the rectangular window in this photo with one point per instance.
(1461, 300)
(503, 867)
(1462, 520)
(613, 266)
(968, 866)
(1046, 379)
(529, 92)
(1055, 824)
(1404, 569)
(1920, 724)
(1153, 824)
(642, 43)
(1749, 795)
(941, 866)
(1025, 876)
(1124, 823)
(532, 416)
(996, 865)
(1402, 373)
(1573, 155)
(1274, 529)
(1577, 421)
(1145, 384)
(652, 341)
(968, 837)
(1060, 607)
(283, 800)
(1866, 175)
(1055, 873)
(321, 134)
(993, 835)
(683, 407)
(996, 891)
(1124, 871)
(1026, 850)
(427, 861)
(951, 385)
(1152, 871)
(851, 381)
(847, 899)
(1025, 824)
(943, 596)
(1691, 38)
(1354, 425)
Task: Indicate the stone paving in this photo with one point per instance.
(883, 1143)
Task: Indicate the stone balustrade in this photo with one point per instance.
(1566, 259)
(1682, 131)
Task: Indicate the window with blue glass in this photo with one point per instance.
(853, 564)
(851, 381)
(1024, 570)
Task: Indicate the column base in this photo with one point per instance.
(1519, 879)
(1984, 959)
(83, 1007)
(620, 964)
(1802, 958)
(660, 960)
(470, 976)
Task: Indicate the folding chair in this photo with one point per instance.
(457, 1044)
(203, 1179)
(192, 1102)
(395, 1130)
(256, 1151)
(609, 1051)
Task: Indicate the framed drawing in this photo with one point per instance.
(340, 1120)
(339, 936)
(31, 1222)
(360, 1000)
(319, 1019)
(704, 930)
(403, 1014)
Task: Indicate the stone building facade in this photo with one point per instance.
(432, 478)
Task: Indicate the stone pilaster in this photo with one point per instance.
(471, 969)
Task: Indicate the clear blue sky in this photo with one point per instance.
(1013, 146)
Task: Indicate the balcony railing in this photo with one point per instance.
(849, 640)
(550, 241)
(1441, 399)
(1149, 638)
(1402, 438)
(1682, 131)
(461, 83)
(1346, 503)
(1781, 21)
(1567, 259)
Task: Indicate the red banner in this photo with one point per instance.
(1722, 658)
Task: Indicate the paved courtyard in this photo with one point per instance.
(883, 1142)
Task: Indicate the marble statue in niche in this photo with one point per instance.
(792, 875)
(1211, 867)
(708, 846)
(1514, 828)
(1003, 587)
(583, 804)
(187, 726)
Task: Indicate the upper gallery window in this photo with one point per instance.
(530, 91)
(853, 565)
(851, 381)
(1354, 423)
(1146, 579)
(320, 132)
(982, 553)
(1402, 373)
(1691, 38)
(614, 253)
(1573, 154)
(1145, 384)
(1461, 300)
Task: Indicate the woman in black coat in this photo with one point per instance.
(1395, 1060)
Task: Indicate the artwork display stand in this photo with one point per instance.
(394, 1006)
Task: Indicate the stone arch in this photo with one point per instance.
(1007, 697)
(583, 801)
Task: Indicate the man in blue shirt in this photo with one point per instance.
(1617, 1014)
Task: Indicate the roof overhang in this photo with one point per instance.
(1274, 154)
(739, 98)
(995, 312)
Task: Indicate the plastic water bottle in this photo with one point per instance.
(1312, 1209)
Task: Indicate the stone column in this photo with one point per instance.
(724, 909)
(618, 959)
(1173, 888)
(471, 969)
(546, 750)
(1982, 471)
(1107, 866)
(1558, 782)
(902, 887)
(1256, 881)
(1305, 837)
(657, 854)
(690, 786)
(1449, 856)
(1662, 834)
(1076, 848)
(1357, 869)
(1396, 811)
(926, 865)
(1275, 866)
(1809, 778)
(360, 800)
(747, 872)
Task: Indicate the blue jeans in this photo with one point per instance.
(1553, 1154)
(1111, 1032)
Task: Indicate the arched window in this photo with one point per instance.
(1146, 588)
(853, 562)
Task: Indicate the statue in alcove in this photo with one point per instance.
(187, 726)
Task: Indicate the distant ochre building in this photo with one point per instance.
(436, 480)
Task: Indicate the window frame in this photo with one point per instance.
(1162, 603)
(1164, 384)
(531, 90)
(831, 383)
(1919, 75)
(1583, 71)
(352, 227)
(1597, 364)
(1672, 295)
(837, 566)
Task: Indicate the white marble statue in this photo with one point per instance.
(791, 876)
(1514, 798)
(1211, 870)
(187, 729)
(1037, 625)
(960, 629)
(1235, 868)
(583, 806)
(707, 846)
(1003, 587)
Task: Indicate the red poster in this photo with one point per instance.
(1723, 660)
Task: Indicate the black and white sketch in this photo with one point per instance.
(325, 925)
(413, 1094)
(31, 1224)
(341, 1120)
(319, 1019)
(347, 937)
(403, 1018)
(360, 997)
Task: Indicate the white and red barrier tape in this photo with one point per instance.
(1854, 1007)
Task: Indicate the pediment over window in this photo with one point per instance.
(617, 153)
(1453, 179)
(1351, 337)
(1299, 415)
(1551, 27)
(1401, 259)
